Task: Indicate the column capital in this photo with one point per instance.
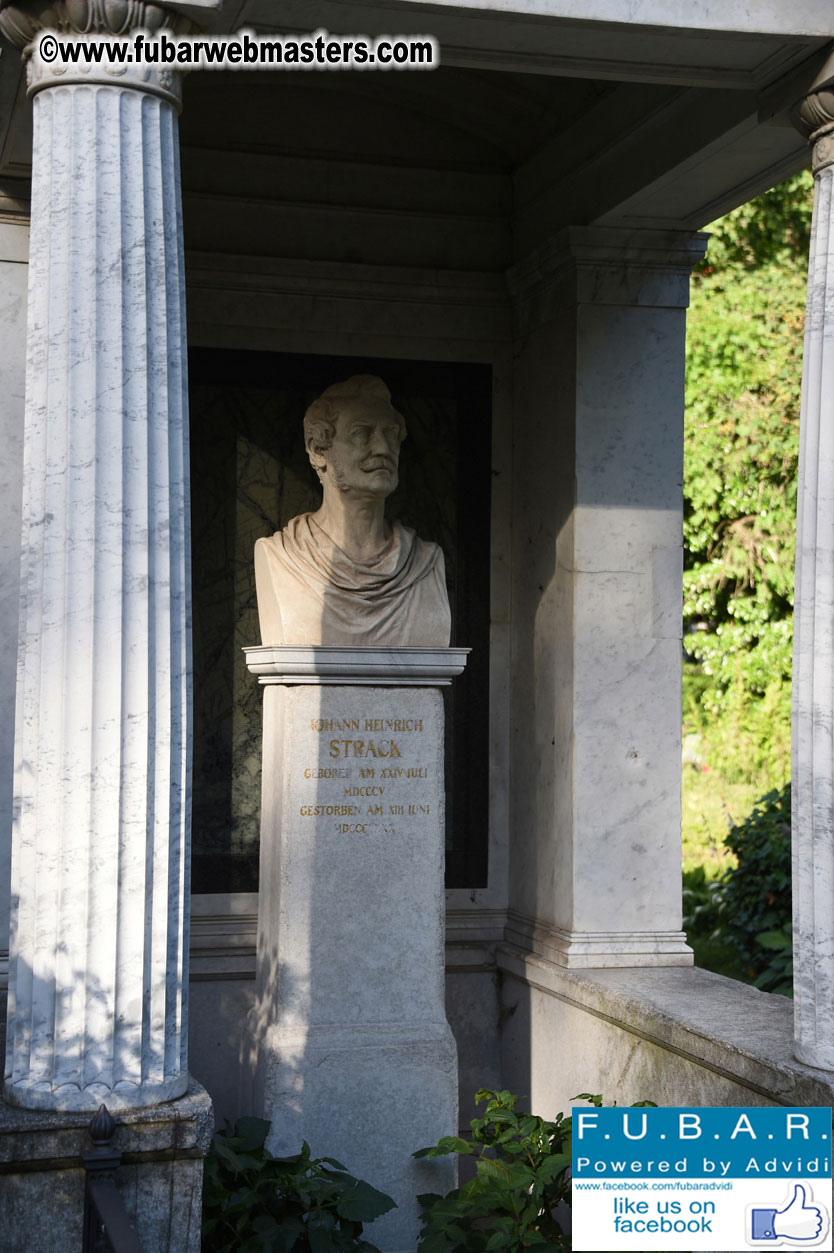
(814, 117)
(21, 21)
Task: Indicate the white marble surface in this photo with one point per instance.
(97, 1008)
(678, 1037)
(348, 1045)
(813, 664)
(223, 935)
(380, 667)
(14, 250)
(597, 603)
(587, 950)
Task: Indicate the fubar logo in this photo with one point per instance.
(646, 1178)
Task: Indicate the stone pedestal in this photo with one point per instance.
(160, 1179)
(348, 1046)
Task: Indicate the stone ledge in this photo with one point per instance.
(749, 1037)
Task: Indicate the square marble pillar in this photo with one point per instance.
(600, 321)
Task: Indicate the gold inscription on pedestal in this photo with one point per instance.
(365, 748)
(390, 725)
(329, 811)
(382, 740)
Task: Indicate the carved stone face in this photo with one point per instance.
(365, 452)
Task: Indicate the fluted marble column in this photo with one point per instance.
(98, 961)
(813, 666)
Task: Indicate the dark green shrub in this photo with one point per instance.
(256, 1203)
(713, 949)
(754, 909)
(701, 901)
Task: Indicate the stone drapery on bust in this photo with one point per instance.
(344, 575)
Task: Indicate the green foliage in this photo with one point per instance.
(776, 974)
(775, 227)
(744, 346)
(522, 1168)
(755, 898)
(744, 732)
(256, 1203)
(713, 949)
(701, 898)
(740, 923)
(522, 1174)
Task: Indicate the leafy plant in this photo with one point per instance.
(256, 1203)
(777, 974)
(739, 924)
(702, 897)
(754, 910)
(522, 1165)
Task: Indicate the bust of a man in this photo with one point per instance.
(344, 574)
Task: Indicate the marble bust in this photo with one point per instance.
(344, 574)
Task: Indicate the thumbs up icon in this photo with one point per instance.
(795, 1221)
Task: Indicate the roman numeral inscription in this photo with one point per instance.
(370, 775)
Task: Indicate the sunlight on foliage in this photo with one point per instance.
(744, 363)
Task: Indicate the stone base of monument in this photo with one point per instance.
(348, 1046)
(368, 1098)
(160, 1178)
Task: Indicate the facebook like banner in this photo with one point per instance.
(663, 1179)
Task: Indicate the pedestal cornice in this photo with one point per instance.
(291, 664)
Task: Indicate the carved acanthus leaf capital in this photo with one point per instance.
(21, 21)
